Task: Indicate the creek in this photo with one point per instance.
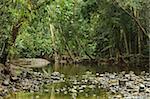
(79, 82)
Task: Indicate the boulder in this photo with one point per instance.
(30, 62)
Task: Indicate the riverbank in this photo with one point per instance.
(119, 85)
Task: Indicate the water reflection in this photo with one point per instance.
(52, 95)
(74, 69)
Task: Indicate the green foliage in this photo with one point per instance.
(97, 27)
(115, 26)
(29, 45)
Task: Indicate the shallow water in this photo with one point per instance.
(73, 70)
(51, 96)
(81, 69)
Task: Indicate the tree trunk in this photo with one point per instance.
(53, 43)
(139, 36)
(4, 52)
(3, 58)
(126, 42)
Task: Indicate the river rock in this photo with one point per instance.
(55, 74)
(6, 82)
(81, 91)
(147, 79)
(141, 88)
(133, 78)
(88, 73)
(55, 78)
(147, 74)
(117, 97)
(73, 90)
(123, 72)
(57, 90)
(148, 84)
(122, 83)
(113, 90)
(14, 78)
(131, 72)
(101, 75)
(147, 90)
(46, 90)
(91, 86)
(113, 82)
(1, 88)
(129, 85)
(65, 92)
(127, 76)
(143, 73)
(112, 76)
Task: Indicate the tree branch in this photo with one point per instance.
(134, 18)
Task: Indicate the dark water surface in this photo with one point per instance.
(73, 70)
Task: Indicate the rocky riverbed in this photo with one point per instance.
(118, 85)
(27, 81)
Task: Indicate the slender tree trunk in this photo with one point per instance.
(110, 52)
(126, 43)
(139, 43)
(136, 15)
(74, 9)
(130, 44)
(53, 43)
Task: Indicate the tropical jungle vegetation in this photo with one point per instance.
(77, 29)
